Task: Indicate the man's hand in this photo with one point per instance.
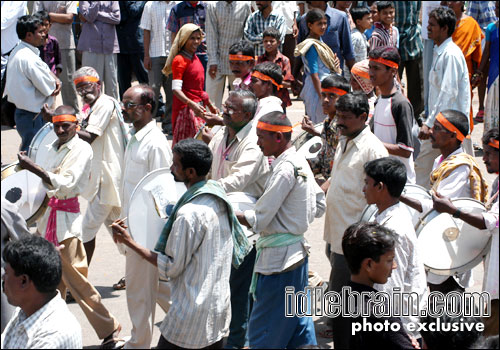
(47, 113)
(308, 126)
(82, 19)
(425, 132)
(206, 135)
(198, 110)
(242, 219)
(443, 204)
(58, 86)
(295, 30)
(120, 233)
(297, 87)
(212, 71)
(25, 162)
(147, 62)
(213, 119)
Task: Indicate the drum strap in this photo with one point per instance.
(70, 205)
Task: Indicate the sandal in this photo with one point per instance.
(112, 341)
(479, 116)
(120, 285)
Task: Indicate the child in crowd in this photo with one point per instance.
(332, 87)
(385, 33)
(363, 20)
(360, 81)
(271, 41)
(49, 52)
(241, 62)
(373, 10)
(369, 250)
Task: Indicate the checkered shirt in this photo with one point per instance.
(256, 25)
(411, 45)
(154, 18)
(483, 12)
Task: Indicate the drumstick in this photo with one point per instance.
(37, 115)
(121, 220)
(296, 124)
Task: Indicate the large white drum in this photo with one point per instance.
(449, 246)
(242, 201)
(39, 146)
(151, 204)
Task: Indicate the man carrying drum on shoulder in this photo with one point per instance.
(65, 173)
(455, 174)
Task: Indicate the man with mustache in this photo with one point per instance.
(65, 174)
(344, 200)
(241, 63)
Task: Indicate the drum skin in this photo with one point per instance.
(304, 136)
(38, 149)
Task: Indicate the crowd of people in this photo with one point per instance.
(218, 286)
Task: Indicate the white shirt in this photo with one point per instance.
(289, 205)
(29, 81)
(409, 276)
(288, 9)
(490, 283)
(109, 149)
(154, 18)
(239, 166)
(360, 45)
(52, 326)
(197, 259)
(146, 151)
(345, 200)
(449, 86)
(11, 11)
(69, 169)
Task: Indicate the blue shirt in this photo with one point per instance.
(337, 35)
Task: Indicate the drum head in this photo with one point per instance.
(304, 136)
(368, 214)
(38, 149)
(241, 202)
(151, 204)
(419, 193)
(311, 148)
(25, 190)
(450, 246)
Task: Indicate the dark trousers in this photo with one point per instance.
(128, 63)
(289, 48)
(450, 285)
(165, 344)
(414, 74)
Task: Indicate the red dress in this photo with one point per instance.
(185, 123)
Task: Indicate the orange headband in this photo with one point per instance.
(450, 127)
(334, 90)
(361, 73)
(240, 58)
(64, 118)
(264, 77)
(274, 128)
(385, 62)
(493, 143)
(88, 78)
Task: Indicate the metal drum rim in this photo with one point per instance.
(31, 147)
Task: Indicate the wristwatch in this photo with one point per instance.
(457, 214)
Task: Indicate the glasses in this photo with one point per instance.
(128, 105)
(88, 87)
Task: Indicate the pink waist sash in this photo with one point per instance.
(70, 205)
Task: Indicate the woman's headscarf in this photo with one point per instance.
(180, 40)
(360, 72)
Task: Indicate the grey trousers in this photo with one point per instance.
(156, 80)
(68, 91)
(216, 87)
(107, 68)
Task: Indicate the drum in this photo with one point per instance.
(38, 149)
(215, 129)
(151, 204)
(304, 136)
(449, 246)
(25, 190)
(311, 148)
(368, 213)
(241, 202)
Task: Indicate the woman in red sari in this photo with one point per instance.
(188, 79)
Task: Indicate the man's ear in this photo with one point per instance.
(191, 173)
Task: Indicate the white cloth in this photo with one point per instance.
(29, 82)
(409, 276)
(197, 260)
(109, 149)
(345, 200)
(68, 168)
(490, 283)
(52, 326)
(288, 9)
(289, 205)
(154, 18)
(359, 45)
(11, 11)
(62, 31)
(449, 86)
(239, 166)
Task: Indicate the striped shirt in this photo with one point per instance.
(384, 37)
(483, 12)
(410, 31)
(154, 18)
(222, 33)
(256, 25)
(197, 261)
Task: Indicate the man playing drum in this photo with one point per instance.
(65, 174)
(147, 150)
(455, 174)
(239, 166)
(488, 222)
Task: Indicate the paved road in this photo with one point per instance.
(108, 266)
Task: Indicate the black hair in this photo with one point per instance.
(382, 5)
(43, 15)
(366, 240)
(272, 32)
(147, 95)
(490, 134)
(458, 119)
(445, 17)
(355, 102)
(249, 99)
(390, 171)
(243, 46)
(27, 24)
(389, 53)
(37, 258)
(194, 154)
(314, 15)
(272, 70)
(64, 109)
(359, 13)
(336, 80)
(277, 118)
(490, 342)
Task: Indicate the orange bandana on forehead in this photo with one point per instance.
(85, 78)
(385, 62)
(64, 118)
(274, 128)
(450, 127)
(240, 58)
(493, 143)
(334, 90)
(264, 77)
